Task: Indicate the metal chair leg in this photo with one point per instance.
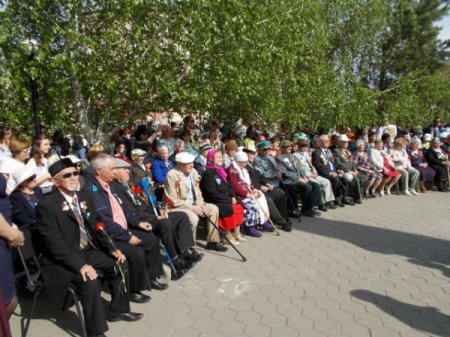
(30, 316)
(79, 312)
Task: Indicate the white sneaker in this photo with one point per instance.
(407, 193)
(413, 192)
(388, 191)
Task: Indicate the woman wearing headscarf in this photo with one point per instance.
(254, 201)
(216, 189)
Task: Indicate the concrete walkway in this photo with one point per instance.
(377, 269)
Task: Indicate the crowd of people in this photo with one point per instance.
(124, 209)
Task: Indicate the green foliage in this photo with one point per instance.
(102, 64)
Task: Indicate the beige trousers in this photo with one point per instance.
(212, 212)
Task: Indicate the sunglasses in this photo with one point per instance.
(70, 174)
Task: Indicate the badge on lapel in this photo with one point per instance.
(84, 209)
(218, 181)
(65, 206)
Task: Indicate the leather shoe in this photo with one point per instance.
(323, 208)
(316, 213)
(358, 201)
(179, 273)
(193, 255)
(182, 264)
(309, 213)
(347, 201)
(124, 316)
(158, 285)
(330, 205)
(286, 227)
(217, 246)
(338, 202)
(138, 298)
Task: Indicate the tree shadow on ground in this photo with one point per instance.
(420, 249)
(427, 319)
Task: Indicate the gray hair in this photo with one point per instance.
(359, 142)
(101, 161)
(178, 143)
(162, 147)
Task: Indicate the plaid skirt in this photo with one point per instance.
(251, 213)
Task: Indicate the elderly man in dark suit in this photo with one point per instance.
(173, 228)
(74, 252)
(141, 248)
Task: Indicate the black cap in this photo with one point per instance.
(60, 165)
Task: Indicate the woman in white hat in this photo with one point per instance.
(25, 197)
(254, 201)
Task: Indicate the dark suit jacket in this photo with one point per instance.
(343, 163)
(60, 230)
(217, 192)
(432, 158)
(138, 173)
(102, 206)
(256, 177)
(22, 214)
(288, 166)
(136, 207)
(319, 161)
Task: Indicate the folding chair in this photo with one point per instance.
(33, 276)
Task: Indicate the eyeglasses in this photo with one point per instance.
(27, 150)
(70, 174)
(266, 149)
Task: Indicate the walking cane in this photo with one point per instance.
(223, 236)
(299, 215)
(144, 184)
(265, 214)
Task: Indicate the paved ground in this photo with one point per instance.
(378, 269)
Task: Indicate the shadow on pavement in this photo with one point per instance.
(427, 319)
(420, 249)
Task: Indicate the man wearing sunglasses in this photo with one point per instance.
(73, 251)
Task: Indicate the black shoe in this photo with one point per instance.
(330, 205)
(217, 246)
(138, 297)
(97, 335)
(288, 221)
(358, 201)
(316, 212)
(309, 213)
(286, 227)
(347, 201)
(178, 274)
(339, 203)
(155, 284)
(323, 208)
(124, 316)
(193, 255)
(182, 264)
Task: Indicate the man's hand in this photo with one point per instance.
(303, 180)
(199, 210)
(313, 175)
(279, 175)
(146, 226)
(333, 174)
(134, 240)
(88, 272)
(118, 255)
(15, 237)
(354, 173)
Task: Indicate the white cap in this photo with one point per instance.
(240, 157)
(348, 176)
(23, 173)
(184, 158)
(427, 137)
(138, 152)
(444, 135)
(343, 138)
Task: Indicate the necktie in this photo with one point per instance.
(84, 240)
